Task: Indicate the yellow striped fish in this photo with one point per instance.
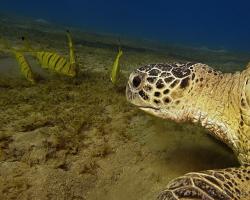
(23, 63)
(116, 67)
(71, 49)
(24, 66)
(55, 62)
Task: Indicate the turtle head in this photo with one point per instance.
(159, 89)
(196, 93)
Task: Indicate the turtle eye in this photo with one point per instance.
(136, 81)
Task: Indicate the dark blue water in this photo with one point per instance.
(214, 24)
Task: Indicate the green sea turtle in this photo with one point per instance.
(219, 101)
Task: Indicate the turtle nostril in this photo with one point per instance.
(136, 81)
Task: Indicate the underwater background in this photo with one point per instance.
(212, 24)
(78, 138)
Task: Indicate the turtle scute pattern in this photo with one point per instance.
(223, 184)
(165, 77)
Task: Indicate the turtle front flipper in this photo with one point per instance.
(223, 184)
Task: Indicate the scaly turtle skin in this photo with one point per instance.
(220, 102)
